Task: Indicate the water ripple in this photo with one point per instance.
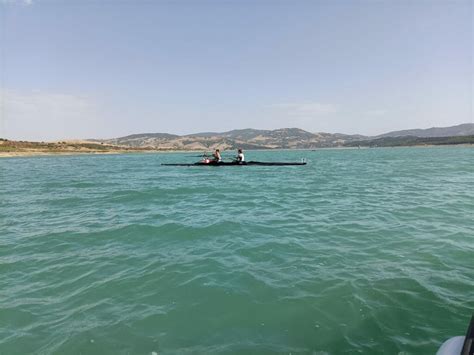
(358, 251)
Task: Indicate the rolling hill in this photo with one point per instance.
(284, 138)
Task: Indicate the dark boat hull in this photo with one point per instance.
(260, 163)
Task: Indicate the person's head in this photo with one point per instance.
(217, 150)
(239, 151)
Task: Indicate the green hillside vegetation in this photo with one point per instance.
(464, 129)
(412, 141)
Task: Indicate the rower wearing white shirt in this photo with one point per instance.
(240, 156)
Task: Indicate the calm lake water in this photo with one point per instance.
(368, 251)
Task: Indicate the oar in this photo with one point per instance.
(204, 155)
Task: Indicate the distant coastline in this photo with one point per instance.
(248, 139)
(292, 138)
(12, 149)
(9, 148)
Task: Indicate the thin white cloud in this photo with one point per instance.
(37, 115)
(306, 109)
(378, 112)
(17, 2)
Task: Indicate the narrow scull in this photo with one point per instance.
(234, 163)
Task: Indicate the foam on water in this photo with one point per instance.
(359, 251)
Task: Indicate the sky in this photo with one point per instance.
(73, 69)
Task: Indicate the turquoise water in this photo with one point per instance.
(367, 251)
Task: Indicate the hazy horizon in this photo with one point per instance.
(81, 70)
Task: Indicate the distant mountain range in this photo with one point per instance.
(408, 141)
(465, 129)
(285, 138)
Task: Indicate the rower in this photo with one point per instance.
(217, 156)
(240, 156)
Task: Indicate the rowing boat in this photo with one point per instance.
(234, 163)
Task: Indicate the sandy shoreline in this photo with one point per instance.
(37, 153)
(20, 154)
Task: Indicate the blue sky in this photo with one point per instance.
(82, 69)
